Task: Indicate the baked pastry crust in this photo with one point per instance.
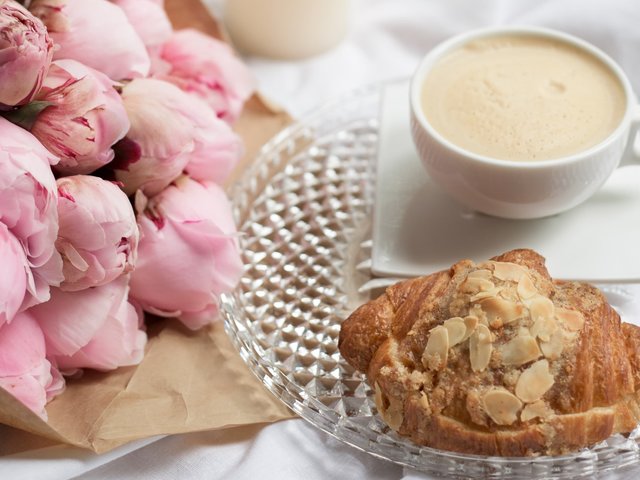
(498, 359)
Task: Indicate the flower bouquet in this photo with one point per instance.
(115, 139)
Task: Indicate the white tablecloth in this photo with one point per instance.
(386, 41)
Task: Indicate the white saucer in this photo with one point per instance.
(418, 229)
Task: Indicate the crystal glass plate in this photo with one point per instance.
(304, 212)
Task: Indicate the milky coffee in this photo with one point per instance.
(522, 97)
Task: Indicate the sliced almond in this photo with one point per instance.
(475, 408)
(553, 348)
(476, 284)
(502, 406)
(485, 294)
(481, 273)
(573, 320)
(434, 356)
(520, 350)
(541, 307)
(543, 328)
(500, 311)
(534, 382)
(424, 402)
(476, 311)
(456, 330)
(471, 323)
(508, 271)
(480, 348)
(535, 410)
(526, 289)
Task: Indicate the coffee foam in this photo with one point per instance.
(522, 97)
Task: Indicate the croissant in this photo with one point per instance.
(496, 358)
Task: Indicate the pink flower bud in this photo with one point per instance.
(28, 198)
(95, 33)
(93, 328)
(188, 253)
(207, 67)
(25, 54)
(98, 235)
(216, 153)
(24, 370)
(171, 131)
(149, 20)
(85, 118)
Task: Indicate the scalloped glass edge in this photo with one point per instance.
(615, 453)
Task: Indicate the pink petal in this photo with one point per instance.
(22, 346)
(117, 343)
(70, 320)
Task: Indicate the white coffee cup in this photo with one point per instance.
(516, 189)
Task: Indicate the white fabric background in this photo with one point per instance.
(386, 41)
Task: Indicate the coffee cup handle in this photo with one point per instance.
(631, 154)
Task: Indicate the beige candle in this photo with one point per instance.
(286, 29)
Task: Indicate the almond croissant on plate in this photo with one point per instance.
(496, 358)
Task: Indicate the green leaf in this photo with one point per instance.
(26, 116)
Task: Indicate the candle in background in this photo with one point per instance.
(286, 29)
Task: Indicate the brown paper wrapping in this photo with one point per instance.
(187, 381)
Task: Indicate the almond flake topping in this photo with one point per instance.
(534, 382)
(508, 271)
(500, 311)
(541, 307)
(481, 273)
(476, 284)
(520, 350)
(536, 409)
(471, 322)
(526, 289)
(553, 348)
(476, 311)
(424, 402)
(456, 329)
(572, 319)
(480, 348)
(544, 327)
(502, 406)
(486, 294)
(434, 356)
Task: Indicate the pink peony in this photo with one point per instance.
(188, 253)
(207, 67)
(85, 119)
(25, 54)
(93, 328)
(13, 275)
(28, 197)
(98, 236)
(216, 153)
(149, 20)
(24, 370)
(171, 131)
(95, 33)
